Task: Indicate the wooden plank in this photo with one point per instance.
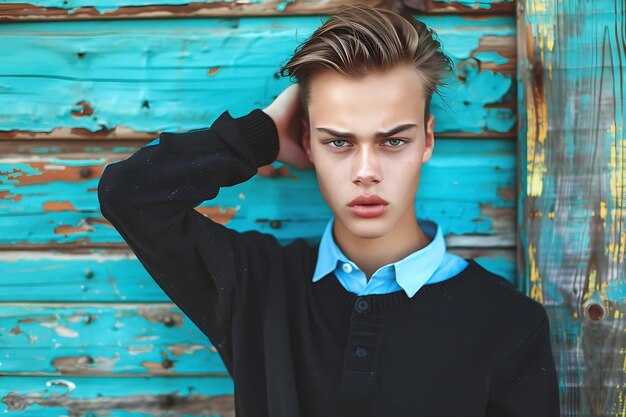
(115, 275)
(103, 339)
(134, 79)
(572, 222)
(50, 201)
(18, 10)
(40, 396)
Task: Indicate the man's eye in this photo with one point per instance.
(396, 143)
(401, 142)
(336, 140)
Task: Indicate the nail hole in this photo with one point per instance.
(595, 312)
(85, 172)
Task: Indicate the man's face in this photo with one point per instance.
(363, 163)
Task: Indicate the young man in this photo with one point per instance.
(375, 320)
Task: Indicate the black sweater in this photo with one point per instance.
(470, 346)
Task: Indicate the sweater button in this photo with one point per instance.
(361, 352)
(361, 305)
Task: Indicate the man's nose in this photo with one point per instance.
(366, 166)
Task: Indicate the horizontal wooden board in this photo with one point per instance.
(115, 275)
(18, 10)
(50, 200)
(105, 339)
(136, 78)
(41, 396)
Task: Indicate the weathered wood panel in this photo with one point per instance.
(115, 275)
(134, 79)
(112, 339)
(572, 234)
(75, 304)
(103, 339)
(116, 397)
(52, 199)
(18, 10)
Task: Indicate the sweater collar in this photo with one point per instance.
(425, 260)
(378, 303)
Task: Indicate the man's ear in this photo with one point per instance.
(429, 139)
(306, 139)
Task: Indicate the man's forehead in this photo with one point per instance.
(400, 79)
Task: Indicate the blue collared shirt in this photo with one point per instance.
(427, 265)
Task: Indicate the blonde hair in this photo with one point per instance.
(359, 39)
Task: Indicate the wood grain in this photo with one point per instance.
(17, 10)
(572, 234)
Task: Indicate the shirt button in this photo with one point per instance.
(361, 305)
(361, 352)
(347, 268)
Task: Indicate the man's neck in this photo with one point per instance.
(371, 254)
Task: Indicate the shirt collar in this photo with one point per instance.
(411, 272)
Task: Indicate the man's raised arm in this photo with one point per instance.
(150, 198)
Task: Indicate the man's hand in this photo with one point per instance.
(286, 111)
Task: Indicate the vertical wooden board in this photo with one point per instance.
(572, 224)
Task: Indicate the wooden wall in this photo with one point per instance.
(83, 328)
(572, 234)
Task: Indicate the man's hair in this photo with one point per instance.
(359, 39)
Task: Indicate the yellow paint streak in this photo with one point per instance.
(535, 156)
(538, 6)
(575, 314)
(616, 246)
(536, 292)
(545, 33)
(620, 404)
(545, 29)
(618, 250)
(603, 211)
(616, 314)
(550, 70)
(593, 286)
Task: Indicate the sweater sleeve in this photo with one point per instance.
(150, 197)
(526, 384)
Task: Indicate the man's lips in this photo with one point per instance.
(367, 200)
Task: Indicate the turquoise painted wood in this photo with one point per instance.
(571, 214)
(469, 189)
(120, 78)
(116, 276)
(84, 330)
(121, 397)
(103, 339)
(89, 9)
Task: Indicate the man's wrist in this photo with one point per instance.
(259, 132)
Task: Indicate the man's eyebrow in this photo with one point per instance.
(390, 132)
